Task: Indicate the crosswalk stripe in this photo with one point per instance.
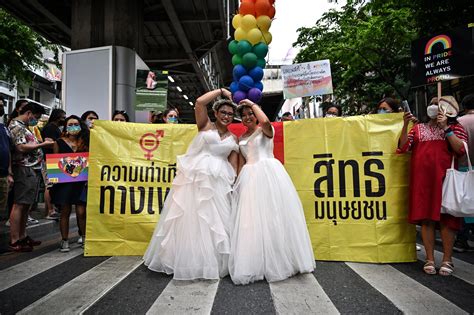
(186, 297)
(30, 268)
(301, 294)
(407, 294)
(462, 269)
(78, 294)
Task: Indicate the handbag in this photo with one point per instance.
(458, 190)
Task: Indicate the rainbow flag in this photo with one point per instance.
(67, 167)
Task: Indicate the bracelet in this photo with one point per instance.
(448, 130)
(450, 133)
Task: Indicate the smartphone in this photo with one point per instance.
(406, 107)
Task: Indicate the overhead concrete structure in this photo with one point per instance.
(186, 37)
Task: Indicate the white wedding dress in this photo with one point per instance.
(191, 239)
(269, 237)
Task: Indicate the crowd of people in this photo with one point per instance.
(218, 164)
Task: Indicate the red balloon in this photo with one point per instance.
(247, 7)
(262, 7)
(271, 12)
(253, 1)
(272, 2)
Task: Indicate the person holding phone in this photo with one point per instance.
(433, 145)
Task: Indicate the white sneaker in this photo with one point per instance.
(31, 221)
(64, 246)
(80, 240)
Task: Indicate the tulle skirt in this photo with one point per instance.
(269, 237)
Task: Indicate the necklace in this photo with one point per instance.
(221, 134)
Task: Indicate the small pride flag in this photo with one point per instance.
(67, 167)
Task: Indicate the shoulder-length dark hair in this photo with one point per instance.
(84, 135)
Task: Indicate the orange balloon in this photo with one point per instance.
(247, 8)
(271, 12)
(253, 1)
(272, 2)
(262, 7)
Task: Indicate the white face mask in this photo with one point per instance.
(432, 111)
(330, 115)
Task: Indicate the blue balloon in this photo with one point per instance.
(245, 83)
(238, 72)
(259, 85)
(234, 87)
(256, 74)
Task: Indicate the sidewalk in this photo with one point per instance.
(44, 230)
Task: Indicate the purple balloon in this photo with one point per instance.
(238, 96)
(245, 83)
(255, 95)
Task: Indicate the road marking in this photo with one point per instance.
(408, 295)
(186, 297)
(83, 291)
(462, 269)
(30, 268)
(301, 294)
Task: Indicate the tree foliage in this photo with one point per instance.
(368, 44)
(20, 49)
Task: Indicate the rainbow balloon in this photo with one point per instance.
(250, 47)
(444, 40)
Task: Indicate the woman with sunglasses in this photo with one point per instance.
(269, 237)
(191, 239)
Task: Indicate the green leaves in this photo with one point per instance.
(21, 49)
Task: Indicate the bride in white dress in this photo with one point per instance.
(269, 237)
(191, 239)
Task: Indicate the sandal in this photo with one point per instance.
(447, 268)
(429, 267)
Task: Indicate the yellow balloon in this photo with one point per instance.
(266, 38)
(254, 36)
(240, 34)
(236, 21)
(264, 22)
(248, 22)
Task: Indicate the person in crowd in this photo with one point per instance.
(467, 121)
(157, 117)
(6, 174)
(269, 237)
(170, 116)
(74, 138)
(287, 117)
(27, 162)
(191, 239)
(16, 111)
(433, 145)
(388, 105)
(52, 130)
(120, 115)
(332, 110)
(88, 117)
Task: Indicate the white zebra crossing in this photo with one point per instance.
(462, 270)
(408, 295)
(301, 294)
(186, 297)
(83, 291)
(25, 270)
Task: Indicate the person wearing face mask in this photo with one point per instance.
(74, 138)
(333, 111)
(191, 239)
(433, 145)
(52, 130)
(388, 105)
(170, 116)
(27, 163)
(88, 118)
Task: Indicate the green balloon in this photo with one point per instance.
(261, 50)
(249, 60)
(233, 47)
(244, 47)
(236, 60)
(261, 63)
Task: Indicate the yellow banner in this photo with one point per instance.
(353, 186)
(131, 167)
